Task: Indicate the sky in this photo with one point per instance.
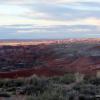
(49, 19)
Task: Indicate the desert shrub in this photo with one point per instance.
(54, 95)
(85, 88)
(50, 94)
(95, 81)
(88, 97)
(11, 83)
(1, 83)
(32, 98)
(39, 88)
(35, 86)
(92, 80)
(55, 79)
(66, 79)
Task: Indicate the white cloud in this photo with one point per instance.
(25, 2)
(92, 21)
(17, 14)
(18, 2)
(11, 20)
(68, 1)
(12, 10)
(79, 30)
(36, 14)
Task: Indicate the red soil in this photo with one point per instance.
(29, 72)
(56, 68)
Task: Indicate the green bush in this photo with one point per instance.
(50, 94)
(92, 80)
(68, 78)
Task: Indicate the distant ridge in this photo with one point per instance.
(15, 42)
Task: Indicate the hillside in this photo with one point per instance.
(54, 58)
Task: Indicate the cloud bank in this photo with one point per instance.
(49, 19)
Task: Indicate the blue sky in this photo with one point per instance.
(49, 19)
